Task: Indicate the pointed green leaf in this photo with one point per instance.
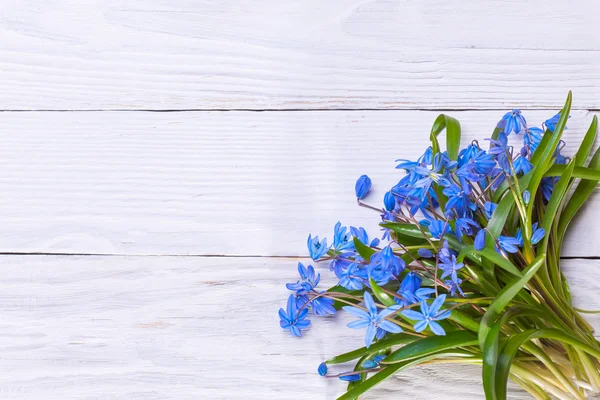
(430, 345)
(452, 127)
(365, 251)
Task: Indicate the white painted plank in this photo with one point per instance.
(232, 183)
(158, 54)
(187, 328)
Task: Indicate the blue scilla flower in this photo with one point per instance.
(532, 139)
(342, 238)
(522, 165)
(293, 320)
(509, 244)
(450, 268)
(548, 186)
(526, 196)
(551, 123)
(362, 187)
(538, 235)
(316, 249)
(454, 287)
(322, 369)
(489, 208)
(429, 315)
(458, 199)
(479, 242)
(467, 154)
(352, 277)
(372, 363)
(424, 253)
(389, 260)
(389, 201)
(465, 226)
(410, 290)
(350, 378)
(438, 228)
(371, 319)
(361, 234)
(514, 122)
(322, 305)
(308, 280)
(483, 162)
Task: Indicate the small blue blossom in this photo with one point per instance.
(322, 305)
(371, 319)
(514, 122)
(489, 208)
(526, 196)
(362, 187)
(342, 238)
(532, 138)
(322, 370)
(424, 253)
(308, 280)
(410, 290)
(350, 378)
(479, 242)
(372, 363)
(361, 234)
(389, 261)
(450, 268)
(508, 244)
(293, 320)
(429, 315)
(537, 235)
(389, 201)
(316, 249)
(454, 287)
(551, 123)
(352, 278)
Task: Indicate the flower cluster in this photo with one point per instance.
(457, 226)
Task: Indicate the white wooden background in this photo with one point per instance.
(162, 162)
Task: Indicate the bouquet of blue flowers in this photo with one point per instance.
(468, 268)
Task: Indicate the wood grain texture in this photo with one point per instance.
(236, 54)
(108, 328)
(214, 183)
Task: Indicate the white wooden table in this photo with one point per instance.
(164, 161)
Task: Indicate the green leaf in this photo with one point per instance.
(578, 172)
(490, 255)
(498, 220)
(382, 296)
(452, 127)
(586, 144)
(365, 251)
(509, 351)
(556, 200)
(505, 296)
(580, 195)
(391, 370)
(389, 341)
(430, 345)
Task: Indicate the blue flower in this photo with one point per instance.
(361, 234)
(464, 226)
(514, 122)
(429, 315)
(389, 261)
(489, 208)
(371, 319)
(351, 278)
(526, 196)
(522, 165)
(322, 305)
(342, 239)
(552, 122)
(322, 370)
(316, 249)
(438, 228)
(308, 280)
(425, 253)
(293, 320)
(467, 154)
(479, 243)
(455, 287)
(350, 378)
(372, 363)
(450, 267)
(509, 244)
(389, 201)
(537, 235)
(410, 290)
(362, 187)
(532, 138)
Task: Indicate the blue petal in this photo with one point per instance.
(420, 326)
(370, 304)
(390, 327)
(437, 304)
(358, 324)
(437, 328)
(357, 312)
(370, 335)
(414, 315)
